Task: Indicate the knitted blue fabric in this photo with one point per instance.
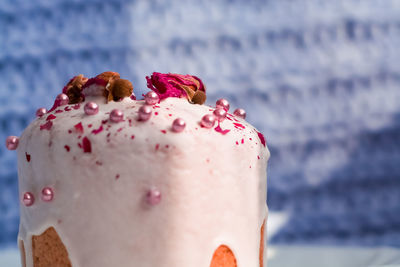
(321, 79)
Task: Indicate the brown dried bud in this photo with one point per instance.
(108, 76)
(74, 87)
(119, 89)
(199, 98)
(74, 94)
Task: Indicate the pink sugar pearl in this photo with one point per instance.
(28, 199)
(12, 142)
(40, 112)
(145, 112)
(116, 115)
(222, 103)
(208, 121)
(63, 99)
(47, 194)
(239, 112)
(220, 114)
(151, 98)
(153, 196)
(91, 108)
(178, 125)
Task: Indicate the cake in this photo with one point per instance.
(108, 180)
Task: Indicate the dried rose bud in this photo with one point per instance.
(97, 86)
(119, 89)
(177, 85)
(108, 75)
(74, 87)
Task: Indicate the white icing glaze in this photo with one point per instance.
(213, 187)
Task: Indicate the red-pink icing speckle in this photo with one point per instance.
(59, 111)
(87, 146)
(156, 113)
(28, 157)
(238, 125)
(67, 108)
(237, 143)
(69, 131)
(157, 146)
(67, 148)
(258, 157)
(99, 163)
(219, 129)
(46, 126)
(96, 131)
(262, 138)
(78, 127)
(132, 137)
(50, 117)
(76, 106)
(116, 177)
(104, 121)
(242, 141)
(164, 131)
(120, 129)
(90, 126)
(170, 115)
(166, 146)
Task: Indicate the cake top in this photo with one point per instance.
(108, 87)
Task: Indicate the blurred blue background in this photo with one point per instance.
(321, 80)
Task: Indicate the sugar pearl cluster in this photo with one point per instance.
(47, 195)
(221, 110)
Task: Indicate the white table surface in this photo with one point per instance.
(291, 256)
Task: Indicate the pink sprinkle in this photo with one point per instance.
(59, 111)
(116, 177)
(132, 137)
(67, 108)
(28, 157)
(157, 146)
(90, 126)
(219, 129)
(67, 148)
(258, 157)
(164, 131)
(96, 131)
(238, 125)
(69, 131)
(170, 115)
(242, 141)
(50, 117)
(262, 138)
(156, 113)
(87, 147)
(120, 129)
(78, 127)
(104, 121)
(237, 143)
(76, 106)
(46, 126)
(250, 138)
